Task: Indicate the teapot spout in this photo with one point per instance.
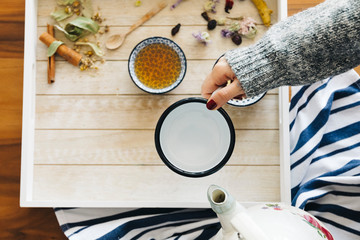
(226, 208)
(221, 201)
(233, 217)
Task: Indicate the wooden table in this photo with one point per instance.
(24, 223)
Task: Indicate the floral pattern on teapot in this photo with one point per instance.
(323, 232)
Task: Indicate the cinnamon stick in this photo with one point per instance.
(51, 60)
(70, 55)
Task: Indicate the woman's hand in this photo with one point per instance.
(216, 89)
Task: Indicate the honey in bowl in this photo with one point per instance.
(157, 66)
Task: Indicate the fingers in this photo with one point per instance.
(215, 87)
(218, 77)
(223, 95)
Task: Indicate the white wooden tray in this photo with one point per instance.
(88, 139)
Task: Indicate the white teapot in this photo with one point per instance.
(273, 221)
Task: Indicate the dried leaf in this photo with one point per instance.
(60, 15)
(85, 24)
(78, 28)
(95, 47)
(53, 47)
(71, 37)
(87, 10)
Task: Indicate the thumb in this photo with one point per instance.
(223, 94)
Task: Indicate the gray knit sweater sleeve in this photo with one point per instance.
(310, 46)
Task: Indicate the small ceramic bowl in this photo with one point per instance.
(193, 141)
(136, 52)
(246, 101)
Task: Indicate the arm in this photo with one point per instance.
(308, 47)
(305, 48)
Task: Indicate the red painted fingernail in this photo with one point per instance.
(211, 104)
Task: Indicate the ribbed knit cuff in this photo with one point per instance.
(255, 67)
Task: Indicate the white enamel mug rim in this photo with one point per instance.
(195, 106)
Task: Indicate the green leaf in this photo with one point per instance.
(60, 15)
(78, 28)
(86, 24)
(95, 47)
(71, 37)
(87, 10)
(53, 47)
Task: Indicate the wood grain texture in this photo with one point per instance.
(131, 183)
(16, 223)
(103, 81)
(108, 147)
(114, 112)
(123, 13)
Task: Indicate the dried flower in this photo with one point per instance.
(248, 27)
(137, 3)
(87, 63)
(77, 11)
(68, 9)
(97, 17)
(175, 4)
(202, 37)
(245, 27)
(226, 33)
(76, 4)
(234, 27)
(89, 53)
(210, 5)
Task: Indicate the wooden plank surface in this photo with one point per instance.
(114, 112)
(124, 13)
(143, 181)
(106, 102)
(137, 147)
(102, 81)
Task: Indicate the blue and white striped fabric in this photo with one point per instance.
(325, 152)
(143, 223)
(325, 172)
